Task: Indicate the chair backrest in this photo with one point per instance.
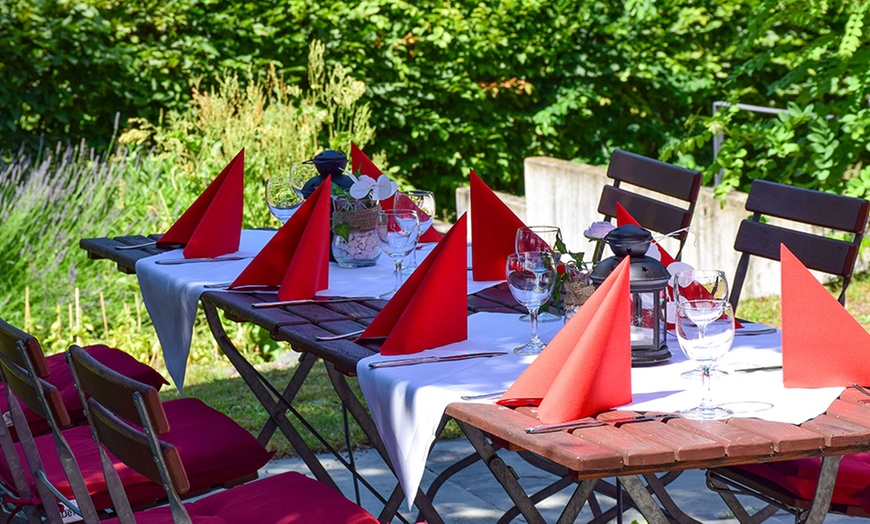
(24, 386)
(679, 183)
(822, 253)
(116, 402)
(9, 337)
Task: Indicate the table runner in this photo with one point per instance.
(407, 403)
(171, 292)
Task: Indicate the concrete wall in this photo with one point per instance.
(565, 194)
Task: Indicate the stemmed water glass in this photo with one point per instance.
(530, 277)
(423, 202)
(283, 197)
(700, 284)
(705, 329)
(398, 231)
(543, 239)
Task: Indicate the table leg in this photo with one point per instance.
(365, 422)
(505, 476)
(306, 362)
(824, 490)
(643, 500)
(255, 382)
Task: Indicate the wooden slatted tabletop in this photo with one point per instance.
(677, 443)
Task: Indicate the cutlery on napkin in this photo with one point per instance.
(179, 261)
(431, 307)
(586, 368)
(212, 225)
(296, 259)
(493, 232)
(579, 424)
(428, 360)
(822, 344)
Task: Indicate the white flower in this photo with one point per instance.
(598, 230)
(362, 187)
(384, 188)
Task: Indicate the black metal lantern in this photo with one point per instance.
(329, 162)
(649, 279)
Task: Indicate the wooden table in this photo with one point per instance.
(644, 448)
(628, 452)
(299, 325)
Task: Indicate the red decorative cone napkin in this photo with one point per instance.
(623, 217)
(586, 368)
(297, 257)
(493, 232)
(431, 307)
(212, 225)
(822, 344)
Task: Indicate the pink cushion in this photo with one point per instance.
(799, 477)
(213, 448)
(281, 499)
(60, 376)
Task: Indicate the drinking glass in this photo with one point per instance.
(282, 197)
(398, 231)
(544, 239)
(695, 284)
(423, 202)
(530, 277)
(700, 284)
(705, 329)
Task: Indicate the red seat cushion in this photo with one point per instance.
(799, 477)
(60, 376)
(281, 499)
(213, 448)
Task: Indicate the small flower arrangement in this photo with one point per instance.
(363, 195)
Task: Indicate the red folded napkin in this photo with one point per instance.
(360, 163)
(297, 257)
(431, 307)
(212, 225)
(493, 232)
(822, 344)
(586, 368)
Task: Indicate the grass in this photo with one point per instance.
(217, 383)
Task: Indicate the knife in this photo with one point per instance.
(177, 261)
(426, 360)
(319, 300)
(579, 424)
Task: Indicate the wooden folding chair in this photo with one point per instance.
(835, 256)
(118, 407)
(679, 184)
(66, 464)
(54, 370)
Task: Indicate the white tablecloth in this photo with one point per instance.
(171, 292)
(407, 403)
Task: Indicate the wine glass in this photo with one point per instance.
(423, 202)
(283, 197)
(545, 239)
(700, 284)
(398, 231)
(705, 329)
(530, 277)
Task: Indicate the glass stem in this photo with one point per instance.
(533, 319)
(398, 274)
(414, 257)
(707, 399)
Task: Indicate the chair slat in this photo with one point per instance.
(650, 213)
(820, 253)
(808, 206)
(664, 178)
